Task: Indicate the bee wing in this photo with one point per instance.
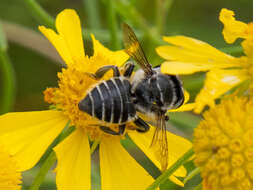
(133, 49)
(160, 143)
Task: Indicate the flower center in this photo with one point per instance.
(74, 83)
(223, 143)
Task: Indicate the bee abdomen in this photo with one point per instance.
(109, 101)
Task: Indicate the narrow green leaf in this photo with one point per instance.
(165, 175)
(198, 187)
(112, 23)
(191, 174)
(7, 77)
(39, 13)
(50, 160)
(3, 41)
(129, 12)
(162, 8)
(94, 146)
(91, 9)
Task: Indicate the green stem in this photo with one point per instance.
(130, 13)
(94, 146)
(7, 76)
(39, 13)
(162, 178)
(50, 160)
(193, 173)
(162, 7)
(198, 187)
(91, 8)
(112, 22)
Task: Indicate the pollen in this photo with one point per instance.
(223, 145)
(10, 178)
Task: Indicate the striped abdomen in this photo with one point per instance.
(109, 101)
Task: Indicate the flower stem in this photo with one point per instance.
(162, 7)
(129, 12)
(7, 76)
(198, 187)
(94, 146)
(39, 13)
(91, 8)
(193, 173)
(162, 178)
(112, 22)
(50, 160)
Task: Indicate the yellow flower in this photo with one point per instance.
(28, 134)
(10, 176)
(185, 106)
(223, 145)
(187, 55)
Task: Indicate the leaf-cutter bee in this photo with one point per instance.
(148, 92)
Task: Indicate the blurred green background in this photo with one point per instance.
(36, 63)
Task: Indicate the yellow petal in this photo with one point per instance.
(10, 177)
(184, 107)
(119, 171)
(27, 135)
(248, 48)
(186, 96)
(59, 44)
(68, 42)
(233, 29)
(69, 27)
(216, 84)
(180, 68)
(118, 58)
(190, 50)
(73, 168)
(177, 146)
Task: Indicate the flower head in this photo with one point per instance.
(224, 72)
(10, 177)
(32, 132)
(223, 145)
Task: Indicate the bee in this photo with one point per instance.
(124, 98)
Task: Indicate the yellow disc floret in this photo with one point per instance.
(10, 178)
(223, 143)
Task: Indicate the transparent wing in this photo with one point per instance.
(134, 49)
(160, 143)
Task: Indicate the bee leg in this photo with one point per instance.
(142, 125)
(111, 132)
(129, 68)
(101, 71)
(91, 75)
